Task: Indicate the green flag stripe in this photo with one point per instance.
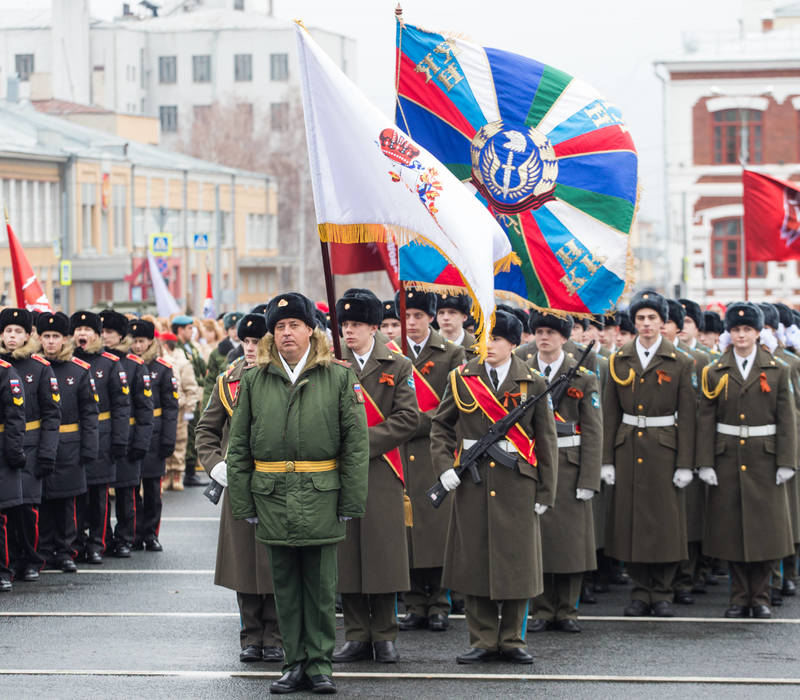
(551, 86)
(463, 171)
(613, 211)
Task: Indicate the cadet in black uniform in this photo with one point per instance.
(129, 466)
(114, 409)
(42, 415)
(77, 444)
(162, 443)
(12, 457)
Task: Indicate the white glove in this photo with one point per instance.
(724, 341)
(188, 416)
(344, 518)
(767, 338)
(781, 333)
(708, 475)
(608, 474)
(783, 475)
(539, 509)
(584, 494)
(450, 480)
(219, 473)
(682, 478)
(252, 521)
(793, 336)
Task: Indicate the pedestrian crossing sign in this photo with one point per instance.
(160, 244)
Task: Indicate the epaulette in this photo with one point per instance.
(138, 360)
(39, 358)
(233, 365)
(109, 356)
(164, 362)
(583, 369)
(5, 364)
(536, 371)
(81, 363)
(343, 363)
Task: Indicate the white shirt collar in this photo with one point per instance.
(693, 344)
(502, 370)
(750, 359)
(460, 338)
(651, 351)
(295, 373)
(421, 343)
(554, 366)
(362, 359)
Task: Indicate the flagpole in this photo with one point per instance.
(744, 246)
(401, 312)
(331, 293)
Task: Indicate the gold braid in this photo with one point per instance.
(461, 405)
(723, 384)
(631, 373)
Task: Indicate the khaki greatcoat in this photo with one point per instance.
(373, 558)
(748, 513)
(646, 520)
(494, 545)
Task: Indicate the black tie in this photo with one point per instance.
(417, 350)
(647, 353)
(744, 365)
(494, 378)
(362, 361)
(547, 371)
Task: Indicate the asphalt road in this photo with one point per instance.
(155, 626)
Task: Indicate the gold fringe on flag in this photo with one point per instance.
(504, 264)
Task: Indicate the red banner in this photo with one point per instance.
(29, 292)
(427, 398)
(353, 258)
(375, 417)
(771, 217)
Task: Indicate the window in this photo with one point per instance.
(256, 232)
(167, 69)
(238, 4)
(119, 201)
(88, 203)
(726, 251)
(279, 66)
(201, 112)
(279, 116)
(169, 118)
(23, 63)
(140, 232)
(243, 67)
(201, 69)
(738, 136)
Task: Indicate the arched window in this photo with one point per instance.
(733, 126)
(726, 251)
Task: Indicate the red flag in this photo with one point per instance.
(352, 258)
(771, 217)
(29, 292)
(208, 304)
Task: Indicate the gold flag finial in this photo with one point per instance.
(299, 22)
(5, 212)
(398, 12)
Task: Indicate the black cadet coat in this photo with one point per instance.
(42, 415)
(114, 411)
(164, 386)
(12, 436)
(77, 443)
(141, 420)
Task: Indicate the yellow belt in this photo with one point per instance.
(2, 428)
(33, 425)
(68, 428)
(324, 465)
(132, 420)
(105, 415)
(156, 412)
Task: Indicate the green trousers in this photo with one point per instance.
(689, 569)
(427, 597)
(750, 582)
(259, 623)
(305, 600)
(559, 601)
(487, 632)
(370, 617)
(652, 582)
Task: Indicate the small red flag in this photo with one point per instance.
(771, 217)
(352, 258)
(29, 292)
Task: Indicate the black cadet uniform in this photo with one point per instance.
(114, 408)
(77, 445)
(162, 442)
(42, 416)
(12, 457)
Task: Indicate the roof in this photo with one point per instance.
(791, 10)
(210, 19)
(26, 131)
(54, 106)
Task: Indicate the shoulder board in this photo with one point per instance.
(583, 369)
(536, 372)
(5, 364)
(164, 362)
(343, 363)
(779, 360)
(110, 356)
(81, 363)
(233, 365)
(39, 358)
(138, 360)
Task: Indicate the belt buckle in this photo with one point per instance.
(290, 466)
(744, 431)
(641, 421)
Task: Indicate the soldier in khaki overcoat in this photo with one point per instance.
(748, 404)
(568, 544)
(494, 554)
(242, 562)
(373, 559)
(452, 311)
(649, 415)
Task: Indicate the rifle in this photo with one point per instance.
(486, 445)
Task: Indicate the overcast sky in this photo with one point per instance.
(611, 45)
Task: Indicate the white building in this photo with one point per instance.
(730, 100)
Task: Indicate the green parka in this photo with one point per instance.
(321, 417)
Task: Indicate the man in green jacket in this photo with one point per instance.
(298, 455)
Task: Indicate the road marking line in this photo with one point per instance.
(708, 680)
(186, 519)
(119, 614)
(198, 572)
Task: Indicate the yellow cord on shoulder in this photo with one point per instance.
(723, 384)
(461, 405)
(621, 382)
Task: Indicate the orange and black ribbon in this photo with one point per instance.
(663, 376)
(574, 393)
(386, 378)
(762, 378)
